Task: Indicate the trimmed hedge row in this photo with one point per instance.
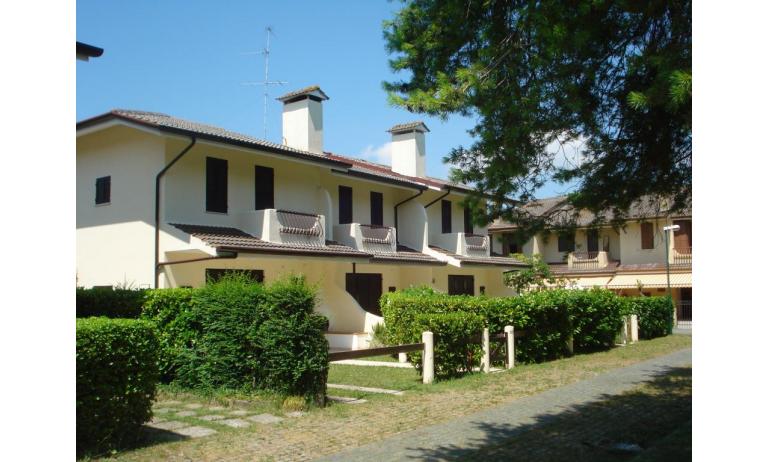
(238, 334)
(553, 319)
(655, 315)
(116, 378)
(112, 303)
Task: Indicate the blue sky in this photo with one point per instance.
(187, 59)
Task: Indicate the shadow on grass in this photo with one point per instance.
(656, 417)
(146, 437)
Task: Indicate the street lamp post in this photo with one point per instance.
(667, 229)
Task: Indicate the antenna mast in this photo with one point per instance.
(266, 82)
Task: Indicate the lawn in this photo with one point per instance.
(338, 426)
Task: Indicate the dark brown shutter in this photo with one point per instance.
(592, 241)
(461, 285)
(366, 289)
(682, 239)
(647, 235)
(377, 208)
(103, 187)
(264, 188)
(445, 216)
(216, 185)
(468, 221)
(566, 243)
(345, 205)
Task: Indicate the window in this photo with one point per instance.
(216, 185)
(510, 245)
(264, 188)
(592, 240)
(647, 235)
(461, 285)
(468, 221)
(445, 217)
(345, 205)
(365, 288)
(215, 274)
(377, 208)
(103, 186)
(566, 243)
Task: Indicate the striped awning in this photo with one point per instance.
(588, 282)
(651, 281)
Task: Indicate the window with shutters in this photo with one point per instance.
(264, 188)
(103, 187)
(366, 289)
(216, 274)
(647, 235)
(345, 205)
(461, 285)
(566, 243)
(216, 185)
(377, 208)
(468, 221)
(445, 217)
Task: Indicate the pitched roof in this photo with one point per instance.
(406, 255)
(88, 50)
(236, 239)
(171, 124)
(304, 91)
(494, 261)
(410, 126)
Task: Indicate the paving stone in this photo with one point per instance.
(216, 408)
(240, 413)
(168, 425)
(193, 406)
(185, 413)
(195, 432)
(168, 403)
(265, 418)
(346, 400)
(294, 414)
(234, 423)
(163, 410)
(211, 417)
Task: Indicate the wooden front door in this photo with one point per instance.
(461, 285)
(365, 288)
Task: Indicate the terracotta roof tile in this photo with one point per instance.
(407, 127)
(303, 91)
(496, 261)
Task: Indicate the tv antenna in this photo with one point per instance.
(266, 82)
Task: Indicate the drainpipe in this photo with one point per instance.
(159, 177)
(397, 234)
(448, 191)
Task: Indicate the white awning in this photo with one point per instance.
(650, 281)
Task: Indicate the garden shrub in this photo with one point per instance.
(109, 302)
(655, 315)
(116, 378)
(596, 316)
(171, 311)
(454, 356)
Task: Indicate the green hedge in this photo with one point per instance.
(655, 315)
(453, 356)
(116, 377)
(112, 303)
(238, 334)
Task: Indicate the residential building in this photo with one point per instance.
(631, 259)
(166, 202)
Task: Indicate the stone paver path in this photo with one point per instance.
(265, 418)
(366, 389)
(234, 423)
(346, 399)
(465, 431)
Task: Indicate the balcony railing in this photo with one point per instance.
(367, 238)
(681, 257)
(588, 260)
(285, 226)
(476, 245)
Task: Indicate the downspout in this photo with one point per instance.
(397, 234)
(448, 191)
(158, 177)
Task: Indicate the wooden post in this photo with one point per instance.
(428, 358)
(509, 332)
(486, 365)
(633, 328)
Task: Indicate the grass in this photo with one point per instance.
(336, 427)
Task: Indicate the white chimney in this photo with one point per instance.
(408, 148)
(303, 119)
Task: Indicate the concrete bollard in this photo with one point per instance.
(403, 358)
(428, 358)
(486, 364)
(633, 328)
(623, 334)
(510, 336)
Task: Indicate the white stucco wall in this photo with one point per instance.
(115, 241)
(303, 125)
(408, 153)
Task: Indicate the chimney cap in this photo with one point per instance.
(311, 91)
(417, 126)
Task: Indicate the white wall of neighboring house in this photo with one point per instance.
(630, 243)
(115, 241)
